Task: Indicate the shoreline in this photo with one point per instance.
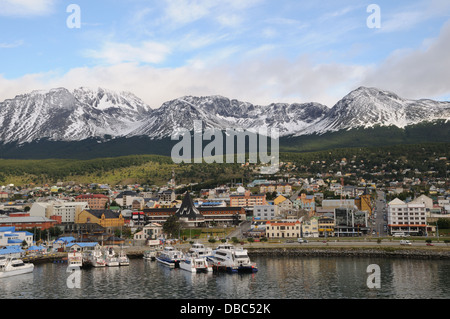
(378, 252)
(289, 251)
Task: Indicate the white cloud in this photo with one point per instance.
(115, 53)
(259, 82)
(416, 73)
(26, 7)
(413, 15)
(11, 45)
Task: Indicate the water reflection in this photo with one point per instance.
(277, 278)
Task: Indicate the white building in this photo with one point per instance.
(10, 237)
(67, 210)
(409, 218)
(150, 231)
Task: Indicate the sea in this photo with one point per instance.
(284, 279)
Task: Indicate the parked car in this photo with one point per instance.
(301, 240)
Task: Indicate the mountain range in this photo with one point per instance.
(62, 116)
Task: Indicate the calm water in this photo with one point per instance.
(278, 278)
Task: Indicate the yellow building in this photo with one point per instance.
(310, 228)
(278, 229)
(105, 218)
(279, 200)
(326, 226)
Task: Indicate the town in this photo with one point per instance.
(290, 209)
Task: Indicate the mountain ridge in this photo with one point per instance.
(85, 113)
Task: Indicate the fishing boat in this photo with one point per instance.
(195, 264)
(111, 259)
(96, 258)
(170, 257)
(227, 258)
(14, 266)
(123, 259)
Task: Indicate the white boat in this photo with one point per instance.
(96, 258)
(170, 257)
(123, 259)
(111, 259)
(150, 254)
(200, 250)
(14, 266)
(75, 259)
(195, 264)
(227, 258)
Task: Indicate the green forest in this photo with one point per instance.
(157, 169)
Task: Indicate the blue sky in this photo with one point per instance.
(260, 51)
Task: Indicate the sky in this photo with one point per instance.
(258, 51)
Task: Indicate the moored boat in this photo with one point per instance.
(200, 250)
(195, 264)
(75, 259)
(96, 258)
(15, 266)
(123, 259)
(170, 257)
(111, 259)
(150, 254)
(227, 258)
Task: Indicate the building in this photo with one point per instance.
(126, 198)
(247, 200)
(364, 202)
(283, 229)
(65, 210)
(103, 217)
(197, 217)
(29, 222)
(80, 247)
(267, 188)
(310, 228)
(150, 231)
(189, 214)
(408, 218)
(349, 222)
(284, 204)
(306, 202)
(68, 210)
(282, 188)
(10, 237)
(95, 201)
(167, 195)
(326, 226)
(337, 203)
(425, 200)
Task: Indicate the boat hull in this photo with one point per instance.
(23, 270)
(169, 263)
(188, 266)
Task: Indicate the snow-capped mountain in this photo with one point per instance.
(369, 107)
(222, 113)
(63, 115)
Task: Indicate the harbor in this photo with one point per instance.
(285, 277)
(317, 249)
